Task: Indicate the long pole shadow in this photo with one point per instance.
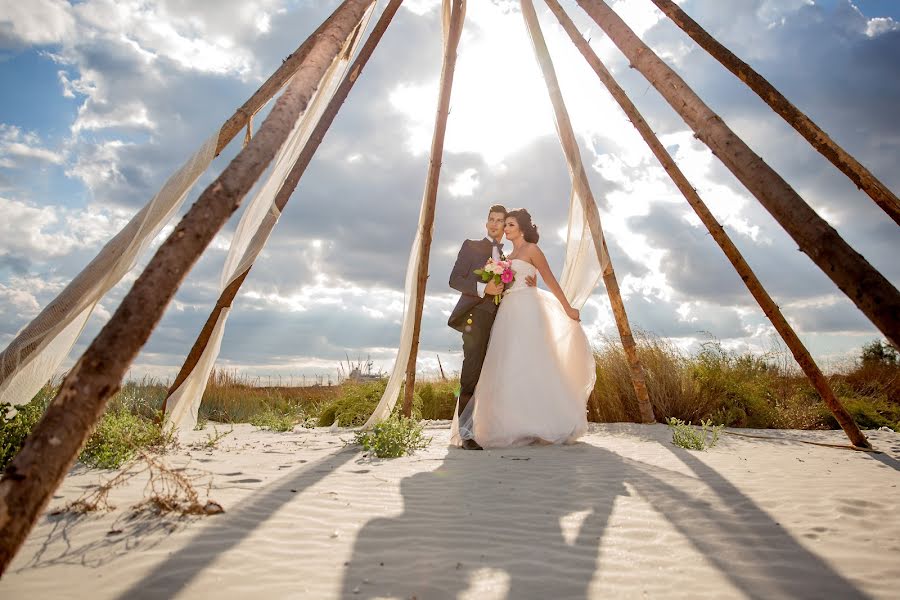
(178, 570)
(752, 550)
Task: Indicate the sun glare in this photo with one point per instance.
(500, 102)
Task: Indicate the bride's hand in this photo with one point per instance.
(573, 313)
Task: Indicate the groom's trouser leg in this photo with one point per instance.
(475, 344)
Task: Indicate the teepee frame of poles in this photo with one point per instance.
(48, 453)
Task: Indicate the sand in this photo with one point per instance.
(623, 514)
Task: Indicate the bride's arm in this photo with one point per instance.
(543, 267)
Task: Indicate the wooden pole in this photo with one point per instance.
(593, 217)
(771, 310)
(430, 196)
(805, 126)
(872, 293)
(53, 445)
(243, 116)
(287, 188)
(441, 367)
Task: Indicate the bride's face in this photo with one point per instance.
(511, 229)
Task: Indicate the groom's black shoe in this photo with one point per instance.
(471, 445)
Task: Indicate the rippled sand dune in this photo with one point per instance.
(624, 514)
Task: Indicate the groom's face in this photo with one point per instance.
(495, 223)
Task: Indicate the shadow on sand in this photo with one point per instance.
(501, 522)
(175, 573)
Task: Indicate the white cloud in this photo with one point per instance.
(39, 233)
(17, 147)
(464, 184)
(98, 165)
(38, 22)
(881, 25)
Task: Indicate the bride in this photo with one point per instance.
(539, 369)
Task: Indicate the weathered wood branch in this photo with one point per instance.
(796, 118)
(430, 195)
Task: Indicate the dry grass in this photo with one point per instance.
(740, 390)
(233, 398)
(167, 490)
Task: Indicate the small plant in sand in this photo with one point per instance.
(393, 437)
(687, 436)
(274, 420)
(212, 439)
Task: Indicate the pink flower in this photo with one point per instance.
(507, 276)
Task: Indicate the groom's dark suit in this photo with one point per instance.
(473, 315)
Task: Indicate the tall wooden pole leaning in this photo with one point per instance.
(591, 213)
(801, 354)
(290, 184)
(872, 293)
(53, 445)
(457, 15)
(805, 126)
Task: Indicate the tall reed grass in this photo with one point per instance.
(739, 389)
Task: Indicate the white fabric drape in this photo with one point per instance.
(40, 348)
(398, 374)
(254, 228)
(586, 255)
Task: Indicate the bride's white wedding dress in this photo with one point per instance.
(537, 374)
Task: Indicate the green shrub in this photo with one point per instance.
(687, 436)
(117, 438)
(393, 437)
(868, 413)
(14, 428)
(438, 399)
(353, 407)
(273, 420)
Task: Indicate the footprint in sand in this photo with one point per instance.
(246, 481)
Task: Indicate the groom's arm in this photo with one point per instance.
(461, 279)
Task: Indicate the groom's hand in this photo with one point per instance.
(531, 280)
(493, 288)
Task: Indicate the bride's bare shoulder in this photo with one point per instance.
(530, 253)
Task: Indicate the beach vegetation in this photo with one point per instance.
(689, 437)
(743, 389)
(394, 437)
(714, 383)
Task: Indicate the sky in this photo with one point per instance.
(103, 99)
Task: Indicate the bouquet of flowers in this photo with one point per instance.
(498, 270)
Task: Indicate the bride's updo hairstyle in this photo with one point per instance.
(529, 229)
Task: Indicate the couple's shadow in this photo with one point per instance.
(530, 523)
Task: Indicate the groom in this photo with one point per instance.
(474, 313)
